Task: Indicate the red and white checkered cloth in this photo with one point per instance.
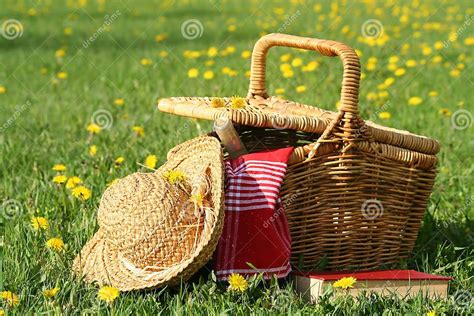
(255, 226)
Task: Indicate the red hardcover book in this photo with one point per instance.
(404, 283)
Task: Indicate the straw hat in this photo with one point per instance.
(159, 228)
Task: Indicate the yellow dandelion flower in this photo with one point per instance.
(112, 182)
(193, 73)
(469, 41)
(93, 129)
(32, 12)
(389, 81)
(61, 75)
(246, 54)
(59, 167)
(427, 50)
(39, 223)
(393, 59)
(311, 66)
(119, 102)
(209, 63)
(301, 89)
(297, 62)
(50, 293)
(226, 70)
(382, 86)
(285, 58)
(93, 150)
(385, 115)
(345, 283)
(438, 45)
(410, 63)
(400, 72)
(445, 112)
(212, 52)
(279, 91)
(436, 59)
(174, 176)
(59, 179)
(108, 294)
(81, 192)
(119, 161)
(230, 49)
(238, 103)
(383, 94)
(10, 298)
(60, 53)
(139, 131)
(455, 73)
(145, 62)
(288, 73)
(160, 37)
(2, 312)
(163, 54)
(433, 93)
(371, 66)
(415, 101)
(237, 283)
(217, 103)
(208, 75)
(72, 182)
(67, 31)
(196, 198)
(372, 96)
(150, 161)
(431, 313)
(56, 244)
(285, 67)
(3, 90)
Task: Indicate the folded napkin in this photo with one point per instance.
(255, 225)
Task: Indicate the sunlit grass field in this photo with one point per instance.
(65, 65)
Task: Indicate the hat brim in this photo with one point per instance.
(100, 262)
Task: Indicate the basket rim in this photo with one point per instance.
(275, 112)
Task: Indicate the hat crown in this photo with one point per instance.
(131, 208)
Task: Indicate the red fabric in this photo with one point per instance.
(255, 225)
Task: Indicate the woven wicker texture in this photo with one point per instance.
(355, 191)
(159, 228)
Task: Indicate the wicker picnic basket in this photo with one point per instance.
(355, 192)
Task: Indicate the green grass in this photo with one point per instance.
(44, 122)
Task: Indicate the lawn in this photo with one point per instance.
(67, 64)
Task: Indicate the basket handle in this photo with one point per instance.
(351, 76)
